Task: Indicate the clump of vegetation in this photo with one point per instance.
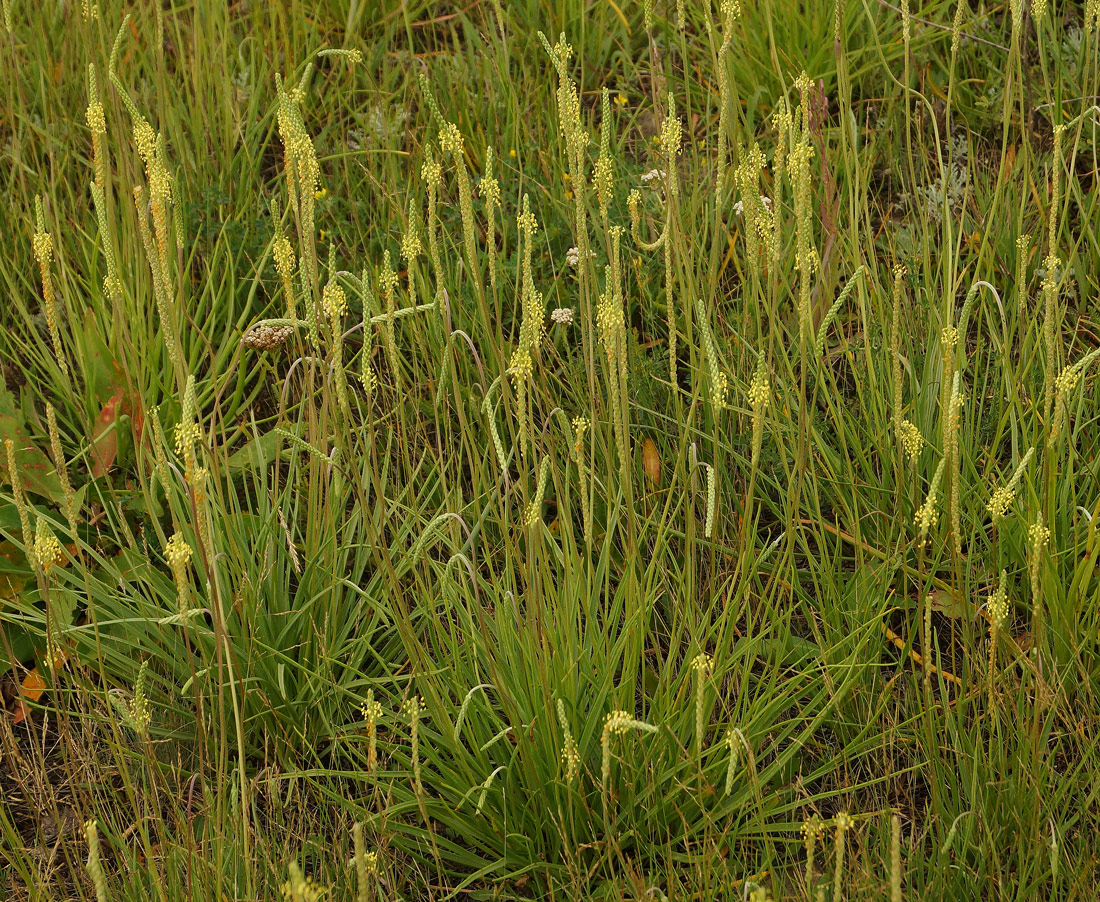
(445, 459)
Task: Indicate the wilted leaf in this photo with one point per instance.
(105, 437)
(30, 690)
(651, 461)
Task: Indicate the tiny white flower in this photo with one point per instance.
(653, 174)
(562, 316)
(739, 207)
(573, 256)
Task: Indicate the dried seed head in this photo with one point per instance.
(267, 337)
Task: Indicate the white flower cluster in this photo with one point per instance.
(739, 207)
(573, 256)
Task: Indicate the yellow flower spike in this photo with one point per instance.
(411, 247)
(569, 755)
(844, 823)
(603, 173)
(372, 713)
(178, 554)
(812, 829)
(998, 614)
(411, 710)
(48, 552)
(911, 439)
(489, 189)
(42, 244)
(926, 515)
(334, 302)
(1003, 497)
(759, 398)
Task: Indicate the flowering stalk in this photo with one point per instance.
(387, 288)
(335, 305)
(819, 345)
(812, 830)
(806, 259)
(432, 173)
(580, 426)
(951, 452)
(730, 11)
(366, 864)
(569, 755)
(489, 189)
(372, 713)
(617, 723)
(719, 383)
(1003, 497)
(611, 325)
(998, 613)
(20, 501)
(759, 397)
(1050, 297)
(534, 509)
(703, 665)
(412, 711)
(43, 252)
(844, 823)
(62, 470)
(895, 346)
(95, 865)
(926, 515)
(603, 173)
(178, 554)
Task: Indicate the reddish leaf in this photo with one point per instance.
(31, 690)
(105, 437)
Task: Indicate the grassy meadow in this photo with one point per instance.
(544, 449)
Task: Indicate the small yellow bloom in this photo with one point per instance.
(47, 550)
(620, 99)
(319, 193)
(512, 153)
